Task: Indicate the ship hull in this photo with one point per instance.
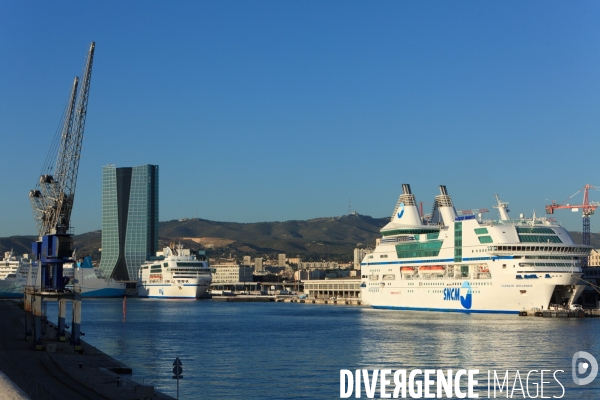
(10, 290)
(506, 296)
(173, 291)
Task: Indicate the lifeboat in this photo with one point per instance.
(407, 270)
(432, 268)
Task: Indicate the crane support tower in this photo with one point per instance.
(587, 208)
(52, 203)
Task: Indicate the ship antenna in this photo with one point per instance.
(502, 207)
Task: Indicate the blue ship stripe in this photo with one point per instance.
(105, 292)
(447, 310)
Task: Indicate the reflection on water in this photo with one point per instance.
(417, 340)
(282, 350)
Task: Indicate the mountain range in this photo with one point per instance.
(332, 238)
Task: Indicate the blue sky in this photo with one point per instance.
(279, 110)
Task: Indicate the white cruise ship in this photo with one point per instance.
(178, 273)
(10, 286)
(461, 263)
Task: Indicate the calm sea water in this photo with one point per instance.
(283, 350)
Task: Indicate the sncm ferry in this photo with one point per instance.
(463, 263)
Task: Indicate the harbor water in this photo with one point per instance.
(285, 350)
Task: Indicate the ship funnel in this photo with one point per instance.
(445, 205)
(406, 211)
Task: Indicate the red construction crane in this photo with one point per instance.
(588, 207)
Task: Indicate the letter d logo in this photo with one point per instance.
(582, 368)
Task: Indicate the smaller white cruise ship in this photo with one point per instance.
(177, 273)
(91, 284)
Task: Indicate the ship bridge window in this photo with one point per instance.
(481, 231)
(388, 277)
(539, 239)
(410, 232)
(424, 249)
(535, 230)
(190, 264)
(485, 239)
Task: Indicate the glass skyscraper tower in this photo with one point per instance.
(129, 219)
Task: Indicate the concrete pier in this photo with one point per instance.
(561, 313)
(244, 299)
(58, 372)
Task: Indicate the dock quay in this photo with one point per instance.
(58, 371)
(244, 299)
(347, 302)
(562, 313)
(286, 299)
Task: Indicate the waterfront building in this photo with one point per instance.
(247, 261)
(231, 273)
(129, 219)
(338, 288)
(590, 296)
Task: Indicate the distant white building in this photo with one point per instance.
(320, 265)
(247, 261)
(281, 260)
(258, 265)
(359, 254)
(294, 260)
(594, 260)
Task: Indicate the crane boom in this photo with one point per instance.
(68, 160)
(52, 200)
(45, 197)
